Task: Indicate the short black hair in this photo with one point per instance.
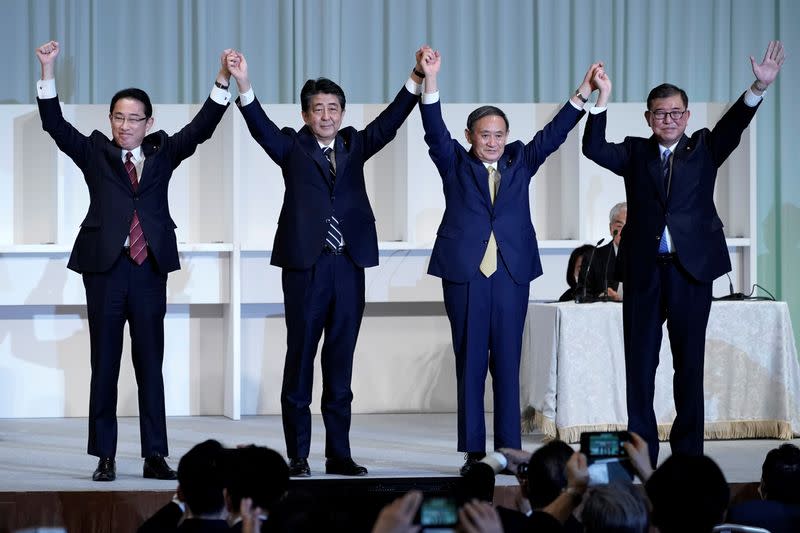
(485, 111)
(584, 251)
(687, 486)
(200, 478)
(665, 90)
(317, 86)
(255, 472)
(135, 94)
(547, 474)
(780, 474)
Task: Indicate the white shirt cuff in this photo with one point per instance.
(430, 98)
(750, 98)
(413, 87)
(597, 110)
(576, 106)
(220, 96)
(46, 89)
(247, 98)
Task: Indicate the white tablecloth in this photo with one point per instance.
(573, 371)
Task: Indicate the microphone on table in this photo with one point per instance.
(732, 295)
(608, 260)
(583, 298)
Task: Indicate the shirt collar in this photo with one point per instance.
(671, 149)
(136, 154)
(332, 145)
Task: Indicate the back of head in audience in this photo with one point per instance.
(688, 494)
(477, 483)
(547, 473)
(615, 508)
(200, 479)
(255, 472)
(780, 474)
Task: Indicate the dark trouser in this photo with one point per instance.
(138, 295)
(487, 318)
(327, 297)
(669, 294)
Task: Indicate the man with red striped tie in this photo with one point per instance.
(125, 249)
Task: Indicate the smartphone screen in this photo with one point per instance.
(605, 445)
(438, 511)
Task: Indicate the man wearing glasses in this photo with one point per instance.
(672, 245)
(124, 250)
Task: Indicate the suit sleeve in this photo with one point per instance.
(202, 126)
(383, 129)
(727, 133)
(68, 139)
(612, 156)
(275, 143)
(553, 135)
(440, 144)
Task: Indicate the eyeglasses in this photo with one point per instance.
(119, 120)
(674, 114)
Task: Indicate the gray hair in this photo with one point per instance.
(618, 507)
(616, 210)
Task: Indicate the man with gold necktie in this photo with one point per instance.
(486, 252)
(125, 248)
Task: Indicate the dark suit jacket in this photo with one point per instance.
(469, 215)
(777, 517)
(694, 225)
(603, 270)
(164, 520)
(309, 198)
(111, 196)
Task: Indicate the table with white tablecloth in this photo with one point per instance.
(573, 371)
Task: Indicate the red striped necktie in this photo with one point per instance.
(138, 244)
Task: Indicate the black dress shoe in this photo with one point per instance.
(106, 470)
(344, 467)
(298, 467)
(470, 458)
(155, 467)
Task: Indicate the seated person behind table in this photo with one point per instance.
(602, 274)
(574, 267)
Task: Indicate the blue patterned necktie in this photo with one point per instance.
(334, 237)
(663, 248)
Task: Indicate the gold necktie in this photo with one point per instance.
(489, 261)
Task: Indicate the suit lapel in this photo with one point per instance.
(311, 147)
(342, 158)
(114, 156)
(481, 177)
(147, 180)
(682, 151)
(506, 175)
(654, 169)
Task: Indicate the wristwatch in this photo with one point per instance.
(580, 96)
(219, 85)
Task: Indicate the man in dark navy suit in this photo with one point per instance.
(486, 252)
(672, 245)
(326, 237)
(125, 249)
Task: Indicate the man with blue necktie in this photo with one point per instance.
(672, 246)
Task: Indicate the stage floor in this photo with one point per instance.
(49, 454)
